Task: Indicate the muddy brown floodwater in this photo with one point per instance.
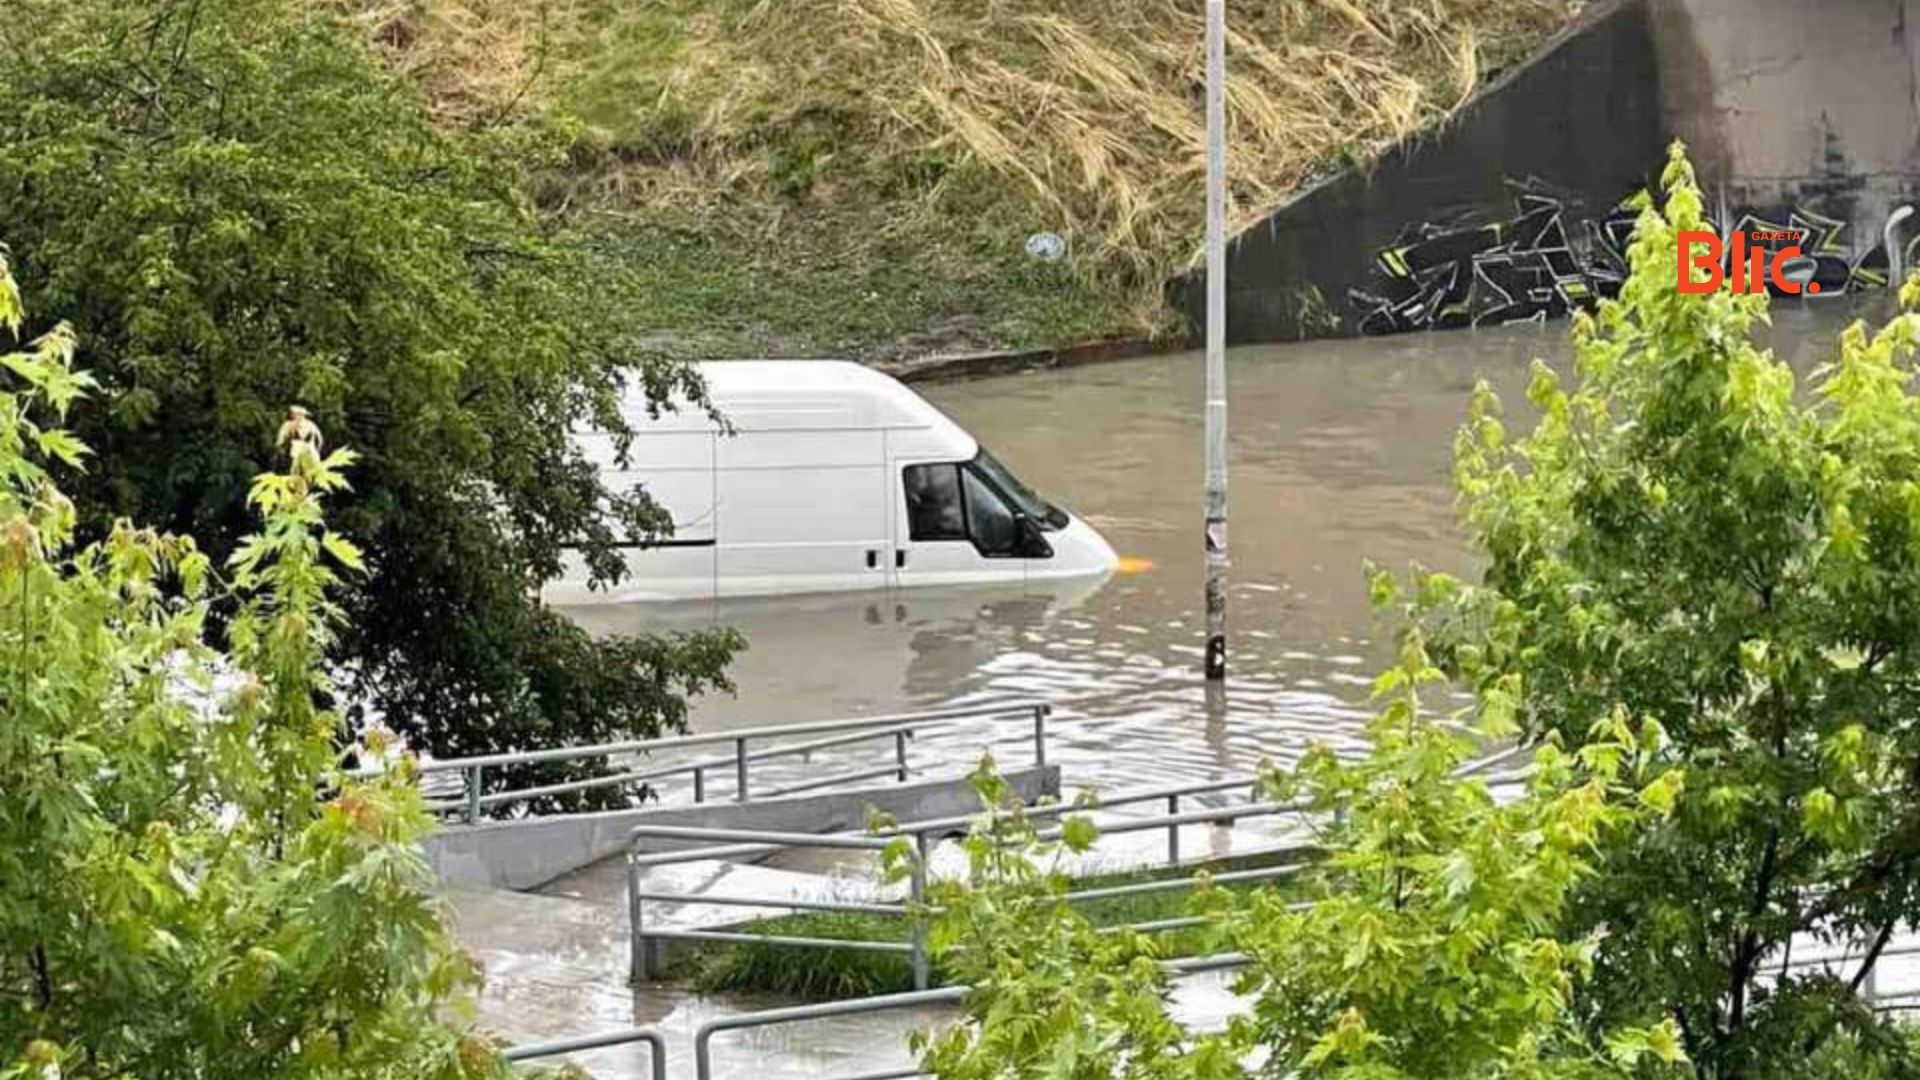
(1340, 453)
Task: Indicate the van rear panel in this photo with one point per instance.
(676, 469)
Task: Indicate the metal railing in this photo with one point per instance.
(1902, 1001)
(646, 942)
(703, 1037)
(656, 1047)
(1905, 1001)
(900, 728)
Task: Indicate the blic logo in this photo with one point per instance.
(1752, 269)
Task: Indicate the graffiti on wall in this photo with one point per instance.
(1544, 263)
(1823, 244)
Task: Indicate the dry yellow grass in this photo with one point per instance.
(1087, 111)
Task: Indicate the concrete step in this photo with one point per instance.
(604, 885)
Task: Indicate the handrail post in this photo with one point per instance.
(740, 769)
(900, 753)
(699, 784)
(1040, 733)
(921, 972)
(637, 944)
(473, 795)
(1173, 831)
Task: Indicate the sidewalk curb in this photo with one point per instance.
(980, 365)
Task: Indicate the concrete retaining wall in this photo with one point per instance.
(528, 854)
(1801, 116)
(1784, 103)
(1580, 124)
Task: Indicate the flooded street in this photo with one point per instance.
(1341, 453)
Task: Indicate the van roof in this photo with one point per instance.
(777, 376)
(805, 394)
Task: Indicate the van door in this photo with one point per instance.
(952, 528)
(802, 511)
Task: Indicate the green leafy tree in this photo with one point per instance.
(1433, 941)
(238, 209)
(189, 886)
(1690, 536)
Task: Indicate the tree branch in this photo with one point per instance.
(1873, 956)
(42, 978)
(1747, 952)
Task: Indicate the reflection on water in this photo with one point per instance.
(1341, 453)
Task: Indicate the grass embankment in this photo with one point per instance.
(824, 974)
(858, 177)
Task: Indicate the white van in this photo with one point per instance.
(835, 478)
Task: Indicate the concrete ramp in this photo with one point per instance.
(604, 885)
(529, 853)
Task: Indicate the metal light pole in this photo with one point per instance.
(1216, 528)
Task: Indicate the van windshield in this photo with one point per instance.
(1044, 513)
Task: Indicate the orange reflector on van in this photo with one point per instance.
(1133, 564)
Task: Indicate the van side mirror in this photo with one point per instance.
(1033, 541)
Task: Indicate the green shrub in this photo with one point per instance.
(1433, 943)
(189, 886)
(808, 974)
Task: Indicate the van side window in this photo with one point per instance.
(933, 502)
(995, 529)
